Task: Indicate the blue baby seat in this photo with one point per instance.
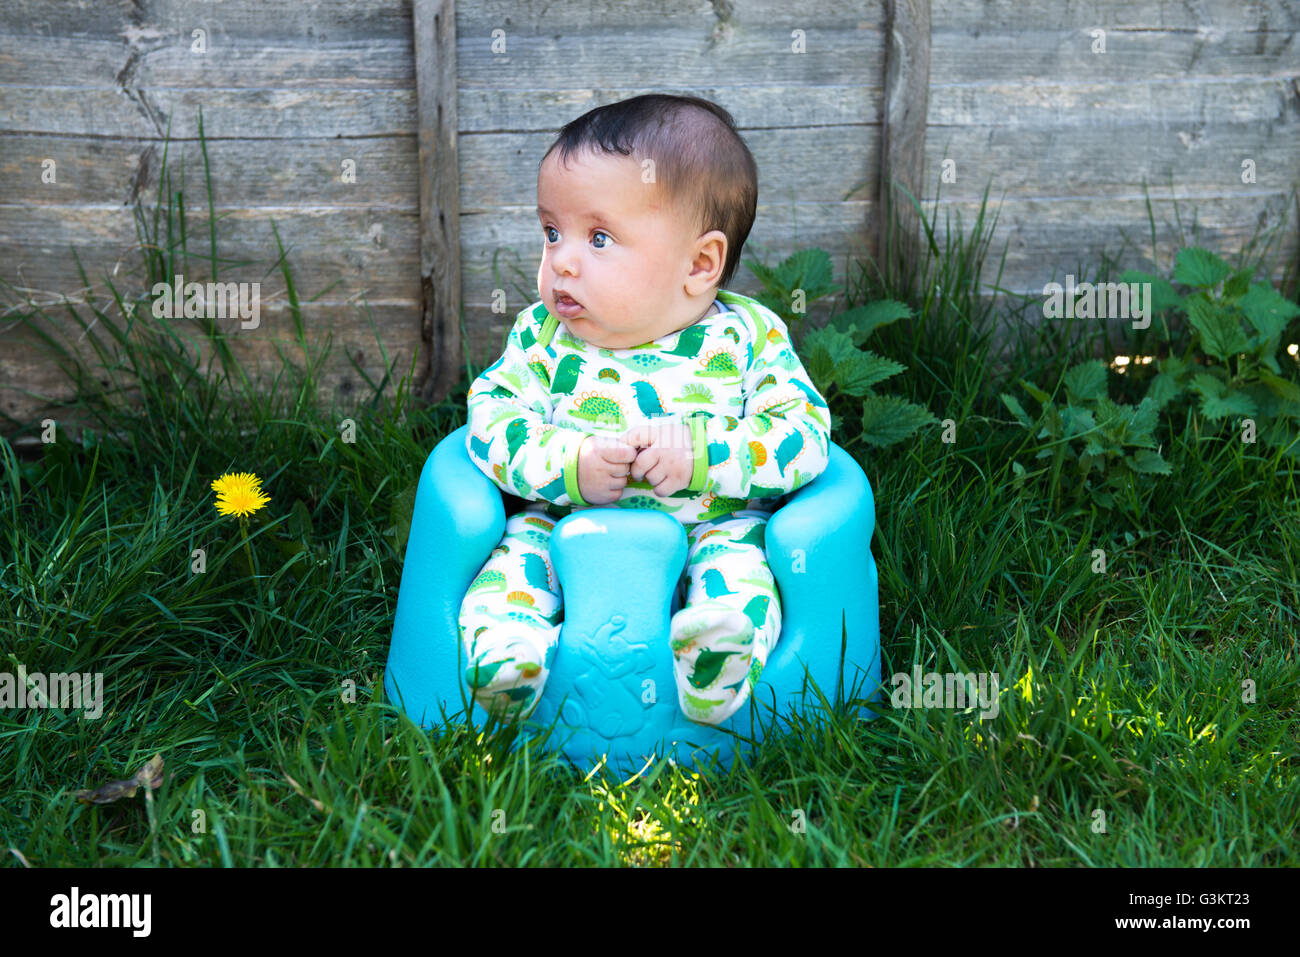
(612, 678)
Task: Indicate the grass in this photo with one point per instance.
(1148, 711)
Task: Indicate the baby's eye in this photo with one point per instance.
(600, 233)
(547, 230)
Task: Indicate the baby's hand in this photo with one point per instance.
(666, 458)
(603, 463)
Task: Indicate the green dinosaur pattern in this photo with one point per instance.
(766, 428)
(719, 640)
(600, 410)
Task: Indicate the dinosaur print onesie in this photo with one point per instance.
(759, 430)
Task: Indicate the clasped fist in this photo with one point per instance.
(659, 454)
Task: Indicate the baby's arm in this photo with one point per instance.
(510, 437)
(781, 443)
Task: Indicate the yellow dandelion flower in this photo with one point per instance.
(241, 501)
(236, 480)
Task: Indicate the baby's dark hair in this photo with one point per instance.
(701, 163)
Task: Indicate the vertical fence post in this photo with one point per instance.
(435, 87)
(902, 149)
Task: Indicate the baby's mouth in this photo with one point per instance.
(567, 306)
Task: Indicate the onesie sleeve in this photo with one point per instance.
(511, 438)
(782, 440)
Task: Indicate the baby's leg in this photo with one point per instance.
(509, 620)
(731, 620)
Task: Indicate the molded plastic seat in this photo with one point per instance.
(612, 678)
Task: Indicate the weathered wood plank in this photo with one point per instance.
(1052, 163)
(603, 16)
(1109, 106)
(270, 114)
(293, 172)
(439, 178)
(290, 113)
(1017, 15)
(322, 21)
(902, 137)
(71, 110)
(63, 61)
(1131, 56)
(349, 249)
(834, 56)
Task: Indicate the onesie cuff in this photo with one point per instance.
(700, 445)
(571, 469)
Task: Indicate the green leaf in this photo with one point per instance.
(1174, 367)
(1282, 388)
(857, 374)
(1077, 421)
(820, 365)
(1143, 420)
(1238, 284)
(1221, 334)
(1200, 268)
(765, 275)
(1086, 382)
(1014, 405)
(888, 419)
(1052, 422)
(1164, 388)
(1148, 462)
(1034, 391)
(861, 321)
(1217, 401)
(1163, 296)
(826, 350)
(775, 301)
(1267, 310)
(809, 270)
(838, 345)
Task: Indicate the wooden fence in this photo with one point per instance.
(394, 144)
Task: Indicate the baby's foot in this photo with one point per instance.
(511, 685)
(713, 647)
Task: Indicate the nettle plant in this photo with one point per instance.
(843, 372)
(1115, 441)
(1230, 363)
(1237, 328)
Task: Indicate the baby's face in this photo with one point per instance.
(614, 245)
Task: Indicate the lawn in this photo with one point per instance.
(1142, 621)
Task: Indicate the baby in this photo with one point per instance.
(637, 382)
